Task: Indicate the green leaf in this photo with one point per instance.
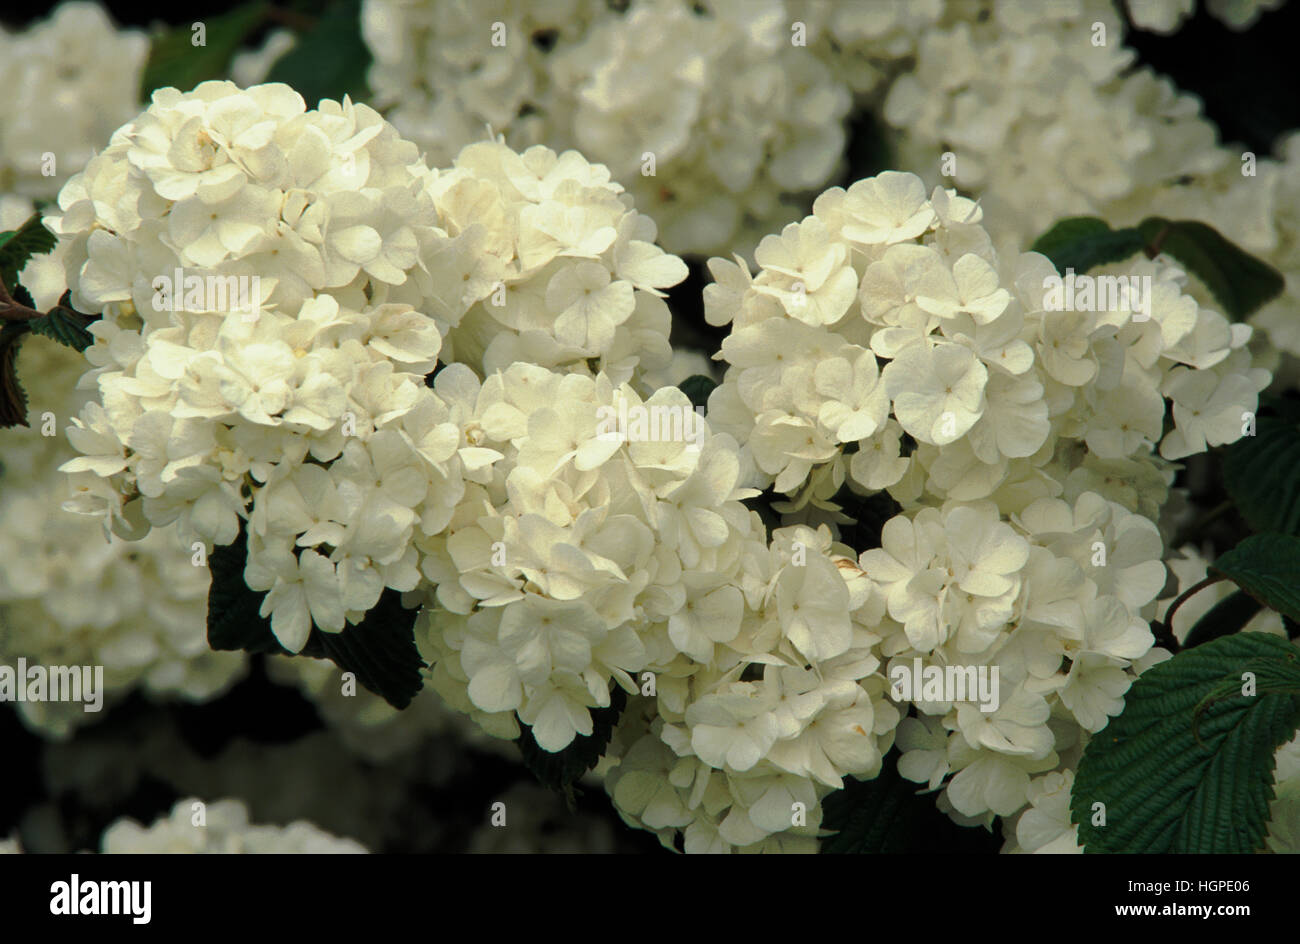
(19, 245)
(1267, 566)
(1262, 472)
(330, 60)
(1084, 242)
(22, 296)
(174, 60)
(888, 815)
(1270, 676)
(1187, 767)
(13, 400)
(233, 620)
(562, 769)
(1227, 616)
(1240, 282)
(380, 650)
(698, 388)
(65, 324)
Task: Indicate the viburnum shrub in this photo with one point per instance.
(411, 418)
(70, 598)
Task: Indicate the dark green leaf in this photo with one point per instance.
(233, 620)
(887, 815)
(66, 325)
(22, 296)
(1262, 472)
(561, 770)
(1227, 616)
(1187, 767)
(1240, 282)
(1271, 675)
(698, 389)
(329, 61)
(1267, 566)
(174, 60)
(13, 400)
(19, 245)
(1084, 242)
(380, 650)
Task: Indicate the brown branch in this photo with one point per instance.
(1168, 622)
(1158, 243)
(11, 310)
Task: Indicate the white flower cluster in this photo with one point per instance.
(776, 696)
(67, 597)
(1044, 826)
(223, 828)
(734, 115)
(75, 64)
(1027, 540)
(308, 413)
(743, 105)
(548, 262)
(710, 113)
(1261, 213)
(581, 538)
(1030, 102)
(445, 73)
(866, 44)
(979, 369)
(1241, 14)
(396, 378)
(1029, 108)
(1166, 16)
(1160, 16)
(196, 398)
